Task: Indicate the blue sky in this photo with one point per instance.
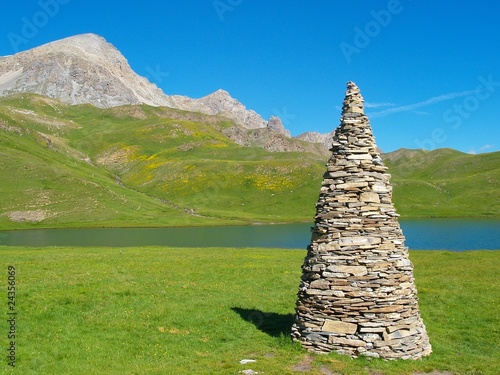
(429, 70)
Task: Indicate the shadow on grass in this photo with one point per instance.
(273, 324)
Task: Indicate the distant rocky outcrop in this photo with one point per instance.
(220, 103)
(315, 137)
(276, 125)
(272, 140)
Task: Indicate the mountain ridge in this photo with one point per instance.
(85, 68)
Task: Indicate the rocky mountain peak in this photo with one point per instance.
(83, 43)
(276, 125)
(220, 93)
(78, 70)
(220, 101)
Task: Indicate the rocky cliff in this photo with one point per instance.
(77, 70)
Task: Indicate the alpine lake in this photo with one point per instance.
(422, 234)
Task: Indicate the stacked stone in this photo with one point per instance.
(357, 295)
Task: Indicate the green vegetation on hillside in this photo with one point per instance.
(445, 183)
(200, 311)
(66, 165)
(45, 179)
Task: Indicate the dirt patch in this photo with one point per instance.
(10, 128)
(117, 156)
(50, 122)
(304, 365)
(129, 111)
(28, 216)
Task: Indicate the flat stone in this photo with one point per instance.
(335, 275)
(403, 263)
(360, 150)
(388, 309)
(359, 240)
(369, 197)
(387, 246)
(400, 334)
(379, 187)
(346, 342)
(391, 329)
(320, 284)
(372, 329)
(378, 168)
(338, 174)
(313, 292)
(359, 157)
(353, 270)
(346, 199)
(339, 327)
(357, 184)
(332, 246)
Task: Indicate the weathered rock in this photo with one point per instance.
(358, 295)
(276, 125)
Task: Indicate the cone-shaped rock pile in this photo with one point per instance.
(357, 295)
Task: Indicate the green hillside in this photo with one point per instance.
(46, 180)
(66, 165)
(445, 182)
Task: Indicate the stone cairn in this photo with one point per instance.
(357, 295)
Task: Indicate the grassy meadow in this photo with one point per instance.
(81, 166)
(157, 310)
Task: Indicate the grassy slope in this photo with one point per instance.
(41, 172)
(165, 155)
(445, 182)
(168, 162)
(194, 165)
(201, 311)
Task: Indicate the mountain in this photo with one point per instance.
(78, 70)
(220, 103)
(85, 69)
(140, 165)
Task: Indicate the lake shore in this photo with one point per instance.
(206, 222)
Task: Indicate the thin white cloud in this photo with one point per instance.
(424, 103)
(422, 113)
(378, 105)
(486, 147)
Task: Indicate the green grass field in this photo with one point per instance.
(160, 310)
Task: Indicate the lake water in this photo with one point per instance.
(424, 234)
